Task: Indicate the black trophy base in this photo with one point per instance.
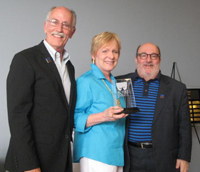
(129, 110)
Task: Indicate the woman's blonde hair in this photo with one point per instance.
(103, 38)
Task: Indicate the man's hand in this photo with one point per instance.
(182, 164)
(34, 170)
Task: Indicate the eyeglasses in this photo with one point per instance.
(153, 56)
(56, 23)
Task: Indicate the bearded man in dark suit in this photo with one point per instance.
(158, 138)
(41, 96)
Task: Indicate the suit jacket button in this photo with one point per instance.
(66, 136)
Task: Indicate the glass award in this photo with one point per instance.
(126, 95)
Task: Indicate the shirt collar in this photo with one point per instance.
(98, 73)
(54, 54)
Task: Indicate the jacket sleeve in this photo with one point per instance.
(20, 90)
(185, 136)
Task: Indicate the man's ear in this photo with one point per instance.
(136, 60)
(72, 33)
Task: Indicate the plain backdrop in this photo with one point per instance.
(173, 25)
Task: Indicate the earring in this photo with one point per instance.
(93, 61)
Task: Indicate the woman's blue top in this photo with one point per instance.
(102, 142)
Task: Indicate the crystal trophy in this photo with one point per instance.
(126, 95)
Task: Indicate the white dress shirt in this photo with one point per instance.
(62, 67)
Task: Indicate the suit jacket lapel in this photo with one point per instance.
(163, 93)
(52, 69)
(72, 80)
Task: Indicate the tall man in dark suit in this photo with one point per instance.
(41, 94)
(158, 138)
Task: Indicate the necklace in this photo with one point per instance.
(116, 100)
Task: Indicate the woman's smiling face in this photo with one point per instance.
(107, 57)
